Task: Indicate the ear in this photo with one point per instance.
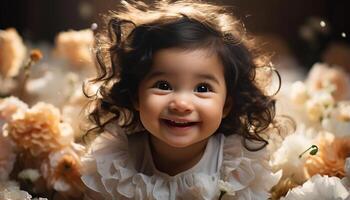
(227, 107)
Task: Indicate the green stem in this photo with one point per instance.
(314, 150)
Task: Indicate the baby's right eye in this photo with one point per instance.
(162, 85)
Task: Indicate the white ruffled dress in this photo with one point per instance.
(120, 166)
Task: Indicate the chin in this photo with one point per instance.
(179, 142)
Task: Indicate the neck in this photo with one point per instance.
(174, 160)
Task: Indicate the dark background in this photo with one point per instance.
(41, 20)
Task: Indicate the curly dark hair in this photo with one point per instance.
(137, 31)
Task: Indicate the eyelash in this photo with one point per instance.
(159, 86)
(208, 87)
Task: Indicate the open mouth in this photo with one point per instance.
(178, 124)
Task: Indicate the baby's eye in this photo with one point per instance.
(203, 88)
(162, 85)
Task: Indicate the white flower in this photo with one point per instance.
(10, 191)
(347, 167)
(299, 93)
(319, 187)
(287, 156)
(226, 187)
(29, 174)
(338, 120)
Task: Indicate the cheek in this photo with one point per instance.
(212, 111)
(150, 107)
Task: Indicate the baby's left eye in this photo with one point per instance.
(203, 88)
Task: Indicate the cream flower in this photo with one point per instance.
(7, 157)
(338, 120)
(287, 156)
(319, 187)
(314, 110)
(227, 188)
(12, 52)
(299, 93)
(39, 129)
(322, 76)
(29, 174)
(76, 46)
(10, 191)
(62, 169)
(344, 111)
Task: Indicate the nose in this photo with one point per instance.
(181, 103)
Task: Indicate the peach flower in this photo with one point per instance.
(322, 76)
(330, 160)
(9, 106)
(62, 169)
(39, 129)
(12, 52)
(76, 47)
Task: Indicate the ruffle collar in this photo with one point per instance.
(109, 170)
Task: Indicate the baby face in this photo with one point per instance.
(181, 100)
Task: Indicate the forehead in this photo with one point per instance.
(180, 61)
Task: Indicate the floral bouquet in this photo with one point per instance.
(40, 119)
(315, 159)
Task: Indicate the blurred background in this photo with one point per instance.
(299, 33)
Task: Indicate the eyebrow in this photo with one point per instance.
(200, 76)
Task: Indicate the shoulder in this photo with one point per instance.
(108, 162)
(248, 172)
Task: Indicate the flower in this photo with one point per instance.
(29, 174)
(330, 160)
(319, 106)
(8, 107)
(344, 111)
(319, 187)
(10, 191)
(283, 186)
(338, 120)
(36, 55)
(12, 52)
(7, 157)
(299, 93)
(322, 76)
(226, 187)
(287, 156)
(76, 46)
(347, 167)
(39, 129)
(62, 169)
